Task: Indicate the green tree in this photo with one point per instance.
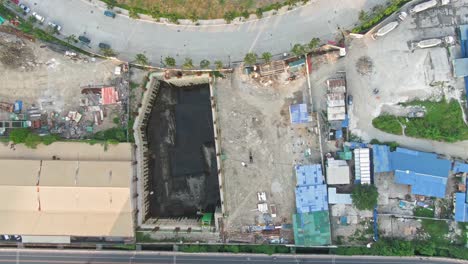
(133, 13)
(111, 3)
(314, 43)
(32, 140)
(71, 38)
(364, 196)
(250, 58)
(49, 139)
(108, 52)
(19, 135)
(204, 64)
(298, 49)
(219, 64)
(32, 19)
(141, 59)
(188, 63)
(267, 56)
(170, 61)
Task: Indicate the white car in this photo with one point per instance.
(6, 237)
(39, 18)
(54, 25)
(25, 8)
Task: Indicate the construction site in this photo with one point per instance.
(53, 90)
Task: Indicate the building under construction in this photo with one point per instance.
(178, 174)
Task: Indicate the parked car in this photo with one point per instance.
(25, 8)
(350, 100)
(6, 237)
(109, 13)
(39, 18)
(54, 25)
(104, 46)
(17, 238)
(84, 39)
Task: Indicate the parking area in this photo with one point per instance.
(415, 73)
(259, 149)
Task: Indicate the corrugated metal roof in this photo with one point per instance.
(464, 32)
(460, 167)
(338, 198)
(298, 113)
(337, 172)
(362, 165)
(460, 67)
(312, 229)
(419, 162)
(381, 157)
(309, 175)
(461, 208)
(312, 198)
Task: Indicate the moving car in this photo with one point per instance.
(84, 39)
(104, 46)
(350, 100)
(54, 25)
(109, 13)
(39, 18)
(25, 8)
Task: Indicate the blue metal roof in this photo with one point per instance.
(312, 198)
(298, 113)
(338, 198)
(422, 184)
(460, 67)
(460, 167)
(381, 156)
(420, 162)
(463, 32)
(461, 208)
(309, 175)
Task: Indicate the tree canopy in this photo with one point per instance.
(364, 196)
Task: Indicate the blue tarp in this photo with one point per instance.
(312, 198)
(460, 167)
(461, 208)
(298, 113)
(345, 122)
(381, 156)
(309, 175)
(339, 134)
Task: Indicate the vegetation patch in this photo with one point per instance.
(378, 14)
(364, 196)
(201, 9)
(423, 212)
(264, 249)
(443, 122)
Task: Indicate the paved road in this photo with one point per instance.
(228, 43)
(99, 257)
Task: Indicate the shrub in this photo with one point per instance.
(19, 135)
(219, 64)
(188, 64)
(298, 49)
(204, 64)
(141, 59)
(170, 61)
(267, 56)
(32, 140)
(250, 58)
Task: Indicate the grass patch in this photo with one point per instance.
(196, 9)
(436, 229)
(423, 212)
(443, 122)
(388, 123)
(263, 249)
(379, 13)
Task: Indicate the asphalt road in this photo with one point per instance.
(108, 257)
(229, 42)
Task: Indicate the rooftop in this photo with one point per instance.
(298, 113)
(309, 175)
(312, 229)
(460, 67)
(311, 198)
(337, 172)
(338, 198)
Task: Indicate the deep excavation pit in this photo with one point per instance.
(182, 164)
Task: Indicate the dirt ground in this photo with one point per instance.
(254, 119)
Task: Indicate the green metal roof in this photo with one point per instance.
(312, 229)
(207, 218)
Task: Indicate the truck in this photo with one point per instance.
(386, 29)
(423, 6)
